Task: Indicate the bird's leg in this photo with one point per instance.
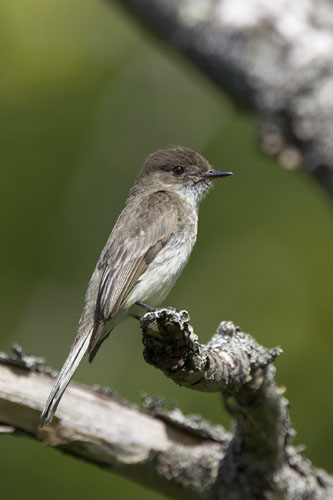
(146, 306)
(153, 309)
(173, 309)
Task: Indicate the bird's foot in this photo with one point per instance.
(146, 306)
(153, 309)
(149, 308)
(173, 309)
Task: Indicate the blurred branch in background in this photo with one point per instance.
(181, 457)
(276, 58)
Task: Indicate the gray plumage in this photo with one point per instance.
(145, 253)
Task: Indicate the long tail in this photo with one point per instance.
(77, 352)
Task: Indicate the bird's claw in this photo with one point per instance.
(146, 306)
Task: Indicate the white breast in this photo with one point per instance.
(161, 274)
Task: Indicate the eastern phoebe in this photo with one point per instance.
(145, 253)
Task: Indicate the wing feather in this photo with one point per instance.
(127, 255)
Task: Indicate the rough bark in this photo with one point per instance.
(181, 457)
(276, 58)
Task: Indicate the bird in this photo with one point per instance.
(145, 253)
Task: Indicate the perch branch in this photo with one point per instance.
(181, 457)
(273, 57)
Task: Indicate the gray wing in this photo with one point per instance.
(124, 259)
(128, 252)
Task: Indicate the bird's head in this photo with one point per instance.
(181, 170)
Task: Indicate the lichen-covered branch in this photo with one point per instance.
(177, 459)
(232, 363)
(274, 57)
(224, 364)
(181, 457)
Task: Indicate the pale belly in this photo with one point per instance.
(161, 274)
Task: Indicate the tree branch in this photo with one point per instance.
(273, 57)
(181, 457)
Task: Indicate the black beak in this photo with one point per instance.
(215, 174)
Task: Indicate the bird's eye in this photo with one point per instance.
(178, 170)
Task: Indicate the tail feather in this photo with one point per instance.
(77, 352)
(93, 350)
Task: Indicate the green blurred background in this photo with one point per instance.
(85, 96)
